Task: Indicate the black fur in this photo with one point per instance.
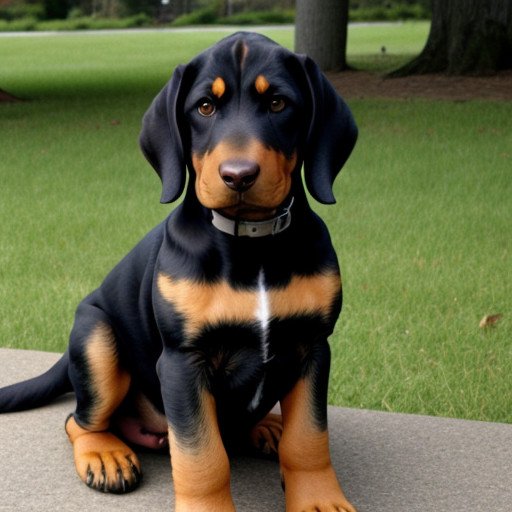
(37, 391)
(223, 358)
(328, 138)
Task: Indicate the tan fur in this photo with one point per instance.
(219, 87)
(201, 474)
(109, 380)
(206, 303)
(261, 84)
(269, 191)
(153, 419)
(306, 294)
(309, 478)
(101, 456)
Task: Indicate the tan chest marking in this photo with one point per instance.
(202, 304)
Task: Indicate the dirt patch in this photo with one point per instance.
(362, 84)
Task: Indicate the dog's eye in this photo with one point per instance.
(277, 104)
(206, 108)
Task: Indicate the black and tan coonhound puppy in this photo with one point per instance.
(224, 309)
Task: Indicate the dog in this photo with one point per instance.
(223, 310)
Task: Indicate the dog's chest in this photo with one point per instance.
(203, 307)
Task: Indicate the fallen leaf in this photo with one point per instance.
(489, 320)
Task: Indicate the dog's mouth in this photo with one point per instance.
(247, 211)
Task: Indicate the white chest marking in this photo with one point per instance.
(263, 314)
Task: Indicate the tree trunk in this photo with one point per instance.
(179, 7)
(321, 32)
(5, 96)
(467, 37)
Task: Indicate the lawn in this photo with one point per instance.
(422, 225)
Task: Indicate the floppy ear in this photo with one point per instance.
(331, 137)
(161, 141)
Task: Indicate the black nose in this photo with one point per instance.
(239, 175)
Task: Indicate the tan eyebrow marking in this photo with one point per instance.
(261, 84)
(218, 87)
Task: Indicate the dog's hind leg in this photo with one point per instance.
(102, 460)
(266, 434)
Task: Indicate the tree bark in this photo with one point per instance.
(179, 7)
(467, 37)
(5, 96)
(321, 32)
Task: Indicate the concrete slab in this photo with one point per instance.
(386, 462)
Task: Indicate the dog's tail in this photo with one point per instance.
(38, 391)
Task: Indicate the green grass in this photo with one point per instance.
(422, 224)
(423, 234)
(402, 42)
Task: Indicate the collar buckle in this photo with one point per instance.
(283, 221)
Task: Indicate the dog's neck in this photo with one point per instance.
(255, 229)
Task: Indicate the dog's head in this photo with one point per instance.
(244, 116)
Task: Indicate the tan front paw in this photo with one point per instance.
(314, 491)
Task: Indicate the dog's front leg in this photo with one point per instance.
(200, 465)
(309, 478)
